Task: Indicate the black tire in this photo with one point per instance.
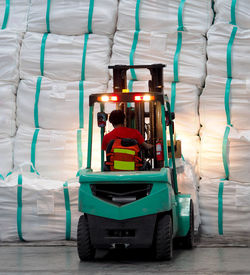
(163, 242)
(86, 251)
(188, 240)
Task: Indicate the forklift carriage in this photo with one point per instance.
(135, 209)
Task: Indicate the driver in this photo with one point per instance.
(117, 118)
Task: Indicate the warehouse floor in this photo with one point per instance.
(51, 259)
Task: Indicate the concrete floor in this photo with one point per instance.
(64, 260)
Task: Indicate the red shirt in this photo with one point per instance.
(122, 132)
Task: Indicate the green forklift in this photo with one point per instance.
(139, 208)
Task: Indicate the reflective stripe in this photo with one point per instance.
(176, 56)
(43, 53)
(220, 207)
(6, 14)
(37, 95)
(19, 207)
(124, 165)
(33, 149)
(229, 52)
(79, 148)
(233, 17)
(180, 16)
(68, 212)
(135, 40)
(81, 104)
(90, 16)
(124, 151)
(48, 15)
(173, 96)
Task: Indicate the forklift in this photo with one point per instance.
(135, 209)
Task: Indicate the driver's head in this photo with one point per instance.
(116, 117)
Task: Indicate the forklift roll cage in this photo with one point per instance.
(157, 95)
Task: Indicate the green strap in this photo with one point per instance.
(229, 52)
(220, 207)
(79, 148)
(132, 54)
(176, 57)
(91, 9)
(233, 17)
(81, 104)
(225, 151)
(33, 150)
(48, 15)
(227, 100)
(180, 16)
(43, 53)
(68, 212)
(86, 38)
(19, 207)
(173, 96)
(1, 177)
(130, 85)
(37, 96)
(135, 40)
(6, 14)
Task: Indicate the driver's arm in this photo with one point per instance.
(147, 145)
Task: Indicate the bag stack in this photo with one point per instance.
(38, 209)
(13, 21)
(64, 58)
(169, 32)
(224, 112)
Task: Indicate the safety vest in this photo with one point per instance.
(123, 158)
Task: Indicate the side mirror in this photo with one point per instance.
(102, 119)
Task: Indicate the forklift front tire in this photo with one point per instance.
(163, 243)
(86, 251)
(188, 241)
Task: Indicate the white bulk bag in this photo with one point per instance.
(186, 105)
(56, 152)
(162, 15)
(155, 48)
(187, 184)
(6, 158)
(238, 158)
(7, 110)
(218, 38)
(234, 207)
(63, 57)
(43, 213)
(72, 17)
(242, 12)
(212, 104)
(9, 56)
(17, 16)
(58, 104)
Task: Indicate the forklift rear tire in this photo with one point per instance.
(163, 243)
(86, 251)
(188, 240)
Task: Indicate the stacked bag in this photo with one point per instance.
(224, 113)
(64, 58)
(13, 20)
(169, 32)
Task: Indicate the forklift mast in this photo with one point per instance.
(135, 117)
